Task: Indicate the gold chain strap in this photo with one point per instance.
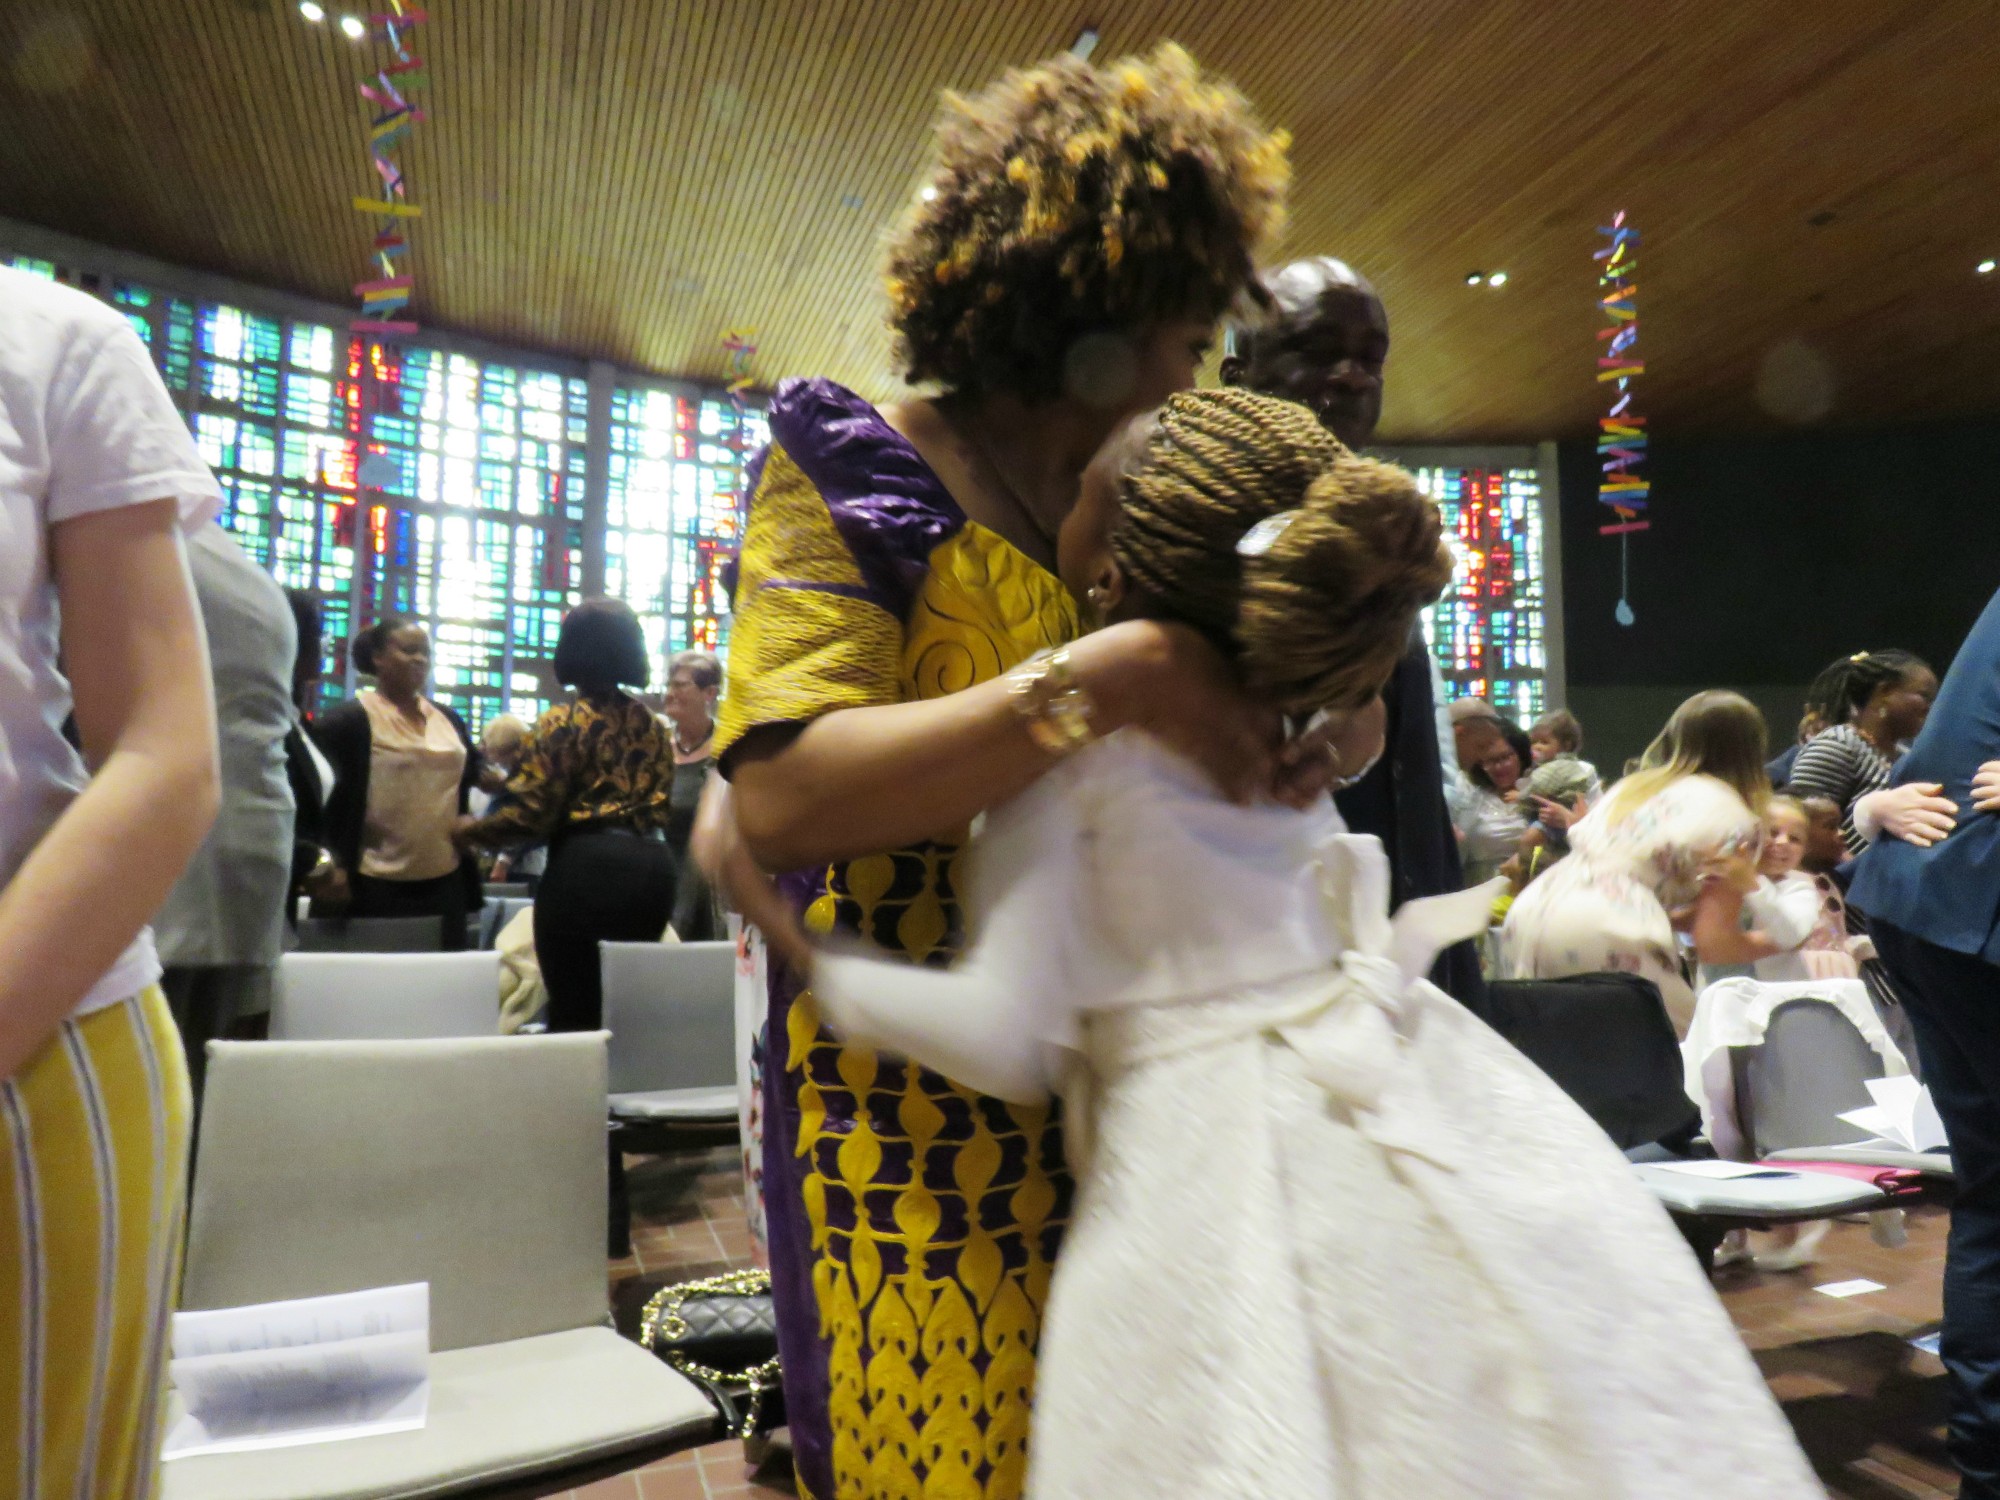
(662, 1320)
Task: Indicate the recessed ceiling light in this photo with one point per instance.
(928, 193)
(1473, 278)
(1498, 278)
(352, 28)
(1986, 267)
(311, 11)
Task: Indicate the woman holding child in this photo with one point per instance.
(1084, 230)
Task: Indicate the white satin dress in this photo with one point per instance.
(1333, 1237)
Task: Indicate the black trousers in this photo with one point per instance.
(1953, 1002)
(444, 897)
(600, 887)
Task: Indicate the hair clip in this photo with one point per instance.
(1262, 537)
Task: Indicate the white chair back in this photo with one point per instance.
(477, 1165)
(670, 1009)
(355, 996)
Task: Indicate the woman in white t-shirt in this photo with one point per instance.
(98, 481)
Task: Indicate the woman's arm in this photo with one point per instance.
(138, 666)
(864, 779)
(1717, 926)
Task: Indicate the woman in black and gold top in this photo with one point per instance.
(595, 781)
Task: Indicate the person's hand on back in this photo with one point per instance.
(1918, 813)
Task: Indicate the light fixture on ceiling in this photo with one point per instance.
(1987, 267)
(1473, 278)
(1084, 45)
(1498, 278)
(352, 28)
(928, 193)
(312, 11)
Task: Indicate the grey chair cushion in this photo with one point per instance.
(476, 1164)
(1804, 1195)
(371, 935)
(499, 1412)
(686, 1106)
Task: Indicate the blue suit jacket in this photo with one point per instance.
(1948, 894)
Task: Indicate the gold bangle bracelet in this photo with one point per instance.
(1051, 702)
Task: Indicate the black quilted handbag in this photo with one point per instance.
(722, 1333)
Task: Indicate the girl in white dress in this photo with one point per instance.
(1333, 1237)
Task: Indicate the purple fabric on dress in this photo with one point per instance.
(889, 507)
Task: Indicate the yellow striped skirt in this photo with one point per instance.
(93, 1163)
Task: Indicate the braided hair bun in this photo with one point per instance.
(1246, 519)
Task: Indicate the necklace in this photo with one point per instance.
(690, 748)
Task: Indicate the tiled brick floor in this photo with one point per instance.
(1867, 1406)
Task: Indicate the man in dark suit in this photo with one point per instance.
(1323, 343)
(1934, 911)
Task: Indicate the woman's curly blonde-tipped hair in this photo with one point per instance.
(1069, 200)
(1320, 616)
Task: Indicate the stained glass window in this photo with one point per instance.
(475, 476)
(275, 415)
(445, 487)
(674, 508)
(1488, 629)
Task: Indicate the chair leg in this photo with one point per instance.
(1703, 1235)
(619, 1221)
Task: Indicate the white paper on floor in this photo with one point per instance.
(315, 1370)
(1852, 1288)
(1902, 1115)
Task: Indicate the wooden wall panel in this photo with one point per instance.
(627, 178)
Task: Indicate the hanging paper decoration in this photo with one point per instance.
(1621, 433)
(737, 342)
(388, 293)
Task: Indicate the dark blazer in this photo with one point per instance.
(1948, 894)
(1401, 801)
(345, 739)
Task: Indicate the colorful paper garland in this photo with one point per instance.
(1621, 432)
(389, 292)
(737, 342)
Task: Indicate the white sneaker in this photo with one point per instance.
(1733, 1251)
(1800, 1253)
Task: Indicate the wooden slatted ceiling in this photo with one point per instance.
(627, 178)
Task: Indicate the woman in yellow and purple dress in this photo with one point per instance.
(1083, 230)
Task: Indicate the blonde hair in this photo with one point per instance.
(1319, 611)
(503, 733)
(1780, 802)
(1718, 734)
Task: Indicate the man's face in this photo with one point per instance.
(1324, 348)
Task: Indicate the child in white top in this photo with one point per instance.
(1789, 909)
(1420, 1270)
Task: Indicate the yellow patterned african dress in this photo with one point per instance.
(913, 1222)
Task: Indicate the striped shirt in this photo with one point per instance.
(1842, 765)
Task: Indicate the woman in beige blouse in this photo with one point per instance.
(403, 766)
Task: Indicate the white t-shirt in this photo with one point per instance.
(85, 426)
